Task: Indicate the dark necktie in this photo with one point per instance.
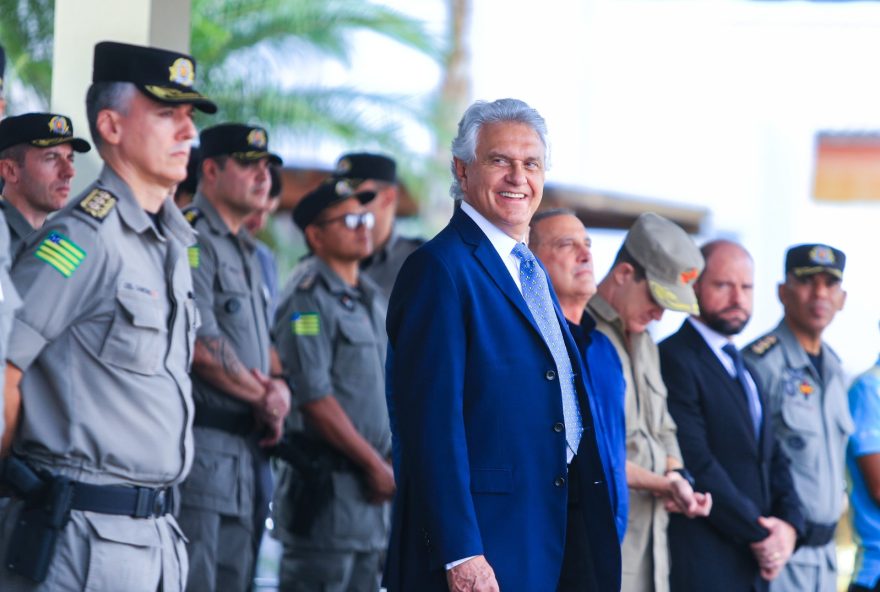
(751, 395)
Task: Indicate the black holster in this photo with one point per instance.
(311, 485)
(46, 511)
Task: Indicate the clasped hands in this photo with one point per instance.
(682, 499)
(271, 410)
(774, 550)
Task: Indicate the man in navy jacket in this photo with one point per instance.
(494, 485)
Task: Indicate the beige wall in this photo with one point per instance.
(161, 23)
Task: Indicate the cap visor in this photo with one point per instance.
(174, 96)
(677, 298)
(78, 144)
(255, 155)
(813, 270)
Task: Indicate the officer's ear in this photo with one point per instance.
(8, 170)
(109, 126)
(313, 235)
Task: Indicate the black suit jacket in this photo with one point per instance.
(747, 477)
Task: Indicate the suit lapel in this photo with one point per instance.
(488, 258)
(729, 386)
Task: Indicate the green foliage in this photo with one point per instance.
(26, 34)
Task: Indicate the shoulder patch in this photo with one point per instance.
(192, 253)
(61, 253)
(305, 323)
(764, 344)
(307, 281)
(192, 215)
(97, 204)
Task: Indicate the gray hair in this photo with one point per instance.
(115, 96)
(464, 146)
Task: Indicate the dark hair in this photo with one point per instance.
(624, 256)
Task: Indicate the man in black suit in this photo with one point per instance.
(725, 441)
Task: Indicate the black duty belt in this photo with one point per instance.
(232, 422)
(138, 502)
(817, 534)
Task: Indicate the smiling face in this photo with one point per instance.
(505, 182)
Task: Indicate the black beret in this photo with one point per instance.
(242, 142)
(360, 166)
(163, 75)
(330, 192)
(804, 260)
(41, 130)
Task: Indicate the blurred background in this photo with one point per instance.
(752, 120)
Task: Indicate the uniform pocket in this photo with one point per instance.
(799, 434)
(213, 481)
(136, 340)
(124, 554)
(356, 350)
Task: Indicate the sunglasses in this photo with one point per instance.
(353, 221)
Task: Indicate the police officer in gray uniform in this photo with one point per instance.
(9, 300)
(238, 407)
(364, 171)
(97, 376)
(806, 394)
(331, 510)
(36, 165)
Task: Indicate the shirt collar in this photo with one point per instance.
(503, 243)
(15, 219)
(715, 340)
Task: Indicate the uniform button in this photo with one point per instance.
(559, 482)
(558, 427)
(550, 375)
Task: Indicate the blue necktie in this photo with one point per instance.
(536, 293)
(751, 396)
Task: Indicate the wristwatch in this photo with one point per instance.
(686, 475)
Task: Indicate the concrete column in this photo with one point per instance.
(79, 25)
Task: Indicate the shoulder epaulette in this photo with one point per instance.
(307, 282)
(97, 204)
(764, 344)
(192, 215)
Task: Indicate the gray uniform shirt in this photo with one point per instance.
(231, 297)
(105, 339)
(19, 228)
(232, 301)
(331, 339)
(812, 422)
(9, 300)
(383, 266)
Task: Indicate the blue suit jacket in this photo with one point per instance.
(475, 404)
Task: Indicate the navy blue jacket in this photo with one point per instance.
(476, 405)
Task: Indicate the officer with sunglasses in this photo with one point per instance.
(331, 506)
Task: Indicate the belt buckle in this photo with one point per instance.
(159, 503)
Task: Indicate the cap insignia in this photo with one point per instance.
(343, 188)
(257, 138)
(689, 275)
(59, 125)
(822, 255)
(182, 72)
(343, 166)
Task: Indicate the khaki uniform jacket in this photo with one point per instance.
(812, 423)
(650, 439)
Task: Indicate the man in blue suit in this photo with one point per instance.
(500, 484)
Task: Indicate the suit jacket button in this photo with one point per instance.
(550, 375)
(558, 427)
(559, 482)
